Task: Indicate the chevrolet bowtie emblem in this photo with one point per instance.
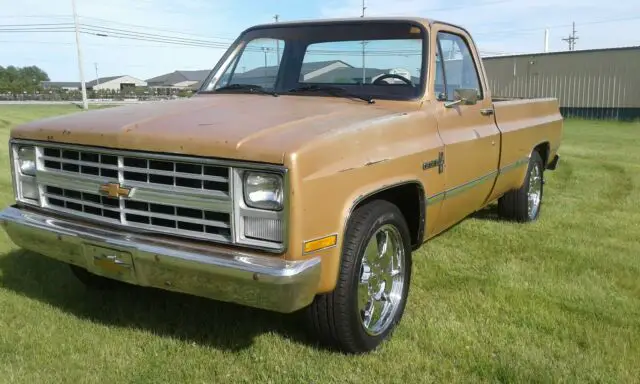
(114, 190)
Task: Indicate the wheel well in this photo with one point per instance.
(410, 199)
(543, 149)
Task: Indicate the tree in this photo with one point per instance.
(18, 80)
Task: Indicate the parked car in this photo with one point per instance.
(288, 192)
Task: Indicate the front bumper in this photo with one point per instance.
(218, 273)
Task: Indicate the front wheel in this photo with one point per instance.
(373, 284)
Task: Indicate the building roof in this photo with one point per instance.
(637, 47)
(314, 66)
(102, 80)
(198, 75)
(273, 70)
(346, 73)
(60, 84)
(169, 79)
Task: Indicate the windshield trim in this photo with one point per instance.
(244, 38)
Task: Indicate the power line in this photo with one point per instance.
(536, 29)
(592, 22)
(66, 30)
(158, 29)
(35, 17)
(125, 33)
(35, 25)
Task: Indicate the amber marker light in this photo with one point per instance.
(321, 243)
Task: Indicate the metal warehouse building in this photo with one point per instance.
(602, 83)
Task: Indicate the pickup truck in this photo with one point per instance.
(311, 163)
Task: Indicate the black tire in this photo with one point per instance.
(93, 281)
(334, 318)
(514, 205)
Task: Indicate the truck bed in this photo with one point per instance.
(525, 124)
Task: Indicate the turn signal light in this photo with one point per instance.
(318, 244)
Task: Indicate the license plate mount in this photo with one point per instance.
(110, 262)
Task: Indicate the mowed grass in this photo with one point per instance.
(554, 301)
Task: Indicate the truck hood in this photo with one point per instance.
(259, 128)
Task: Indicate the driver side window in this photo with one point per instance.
(455, 67)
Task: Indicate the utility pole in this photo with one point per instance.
(85, 104)
(265, 49)
(97, 78)
(276, 17)
(364, 72)
(572, 38)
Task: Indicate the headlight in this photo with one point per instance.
(263, 190)
(27, 160)
(24, 172)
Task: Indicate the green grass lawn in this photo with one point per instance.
(558, 300)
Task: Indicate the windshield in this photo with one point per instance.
(371, 59)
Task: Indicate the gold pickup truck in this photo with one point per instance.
(312, 161)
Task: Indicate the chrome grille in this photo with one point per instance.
(138, 169)
(175, 196)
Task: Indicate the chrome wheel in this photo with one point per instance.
(534, 194)
(381, 279)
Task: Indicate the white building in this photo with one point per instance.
(112, 83)
(115, 83)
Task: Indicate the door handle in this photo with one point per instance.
(486, 112)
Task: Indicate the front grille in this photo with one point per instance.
(166, 194)
(138, 169)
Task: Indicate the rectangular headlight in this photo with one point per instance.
(263, 190)
(260, 214)
(26, 160)
(24, 173)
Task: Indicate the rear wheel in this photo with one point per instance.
(373, 284)
(523, 204)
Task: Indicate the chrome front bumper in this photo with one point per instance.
(267, 282)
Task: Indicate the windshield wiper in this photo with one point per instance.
(332, 90)
(251, 88)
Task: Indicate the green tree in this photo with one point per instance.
(18, 80)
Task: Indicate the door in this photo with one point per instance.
(469, 133)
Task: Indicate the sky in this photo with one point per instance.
(498, 27)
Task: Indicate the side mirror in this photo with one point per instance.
(464, 96)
